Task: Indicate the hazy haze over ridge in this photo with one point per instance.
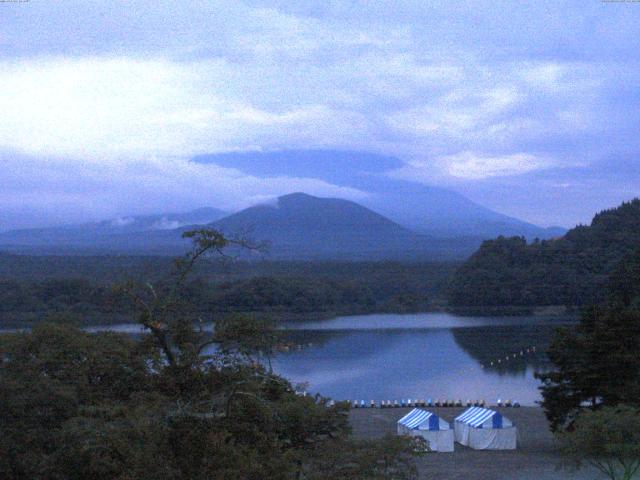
(528, 109)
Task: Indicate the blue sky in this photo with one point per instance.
(530, 108)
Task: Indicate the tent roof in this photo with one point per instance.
(416, 417)
(476, 416)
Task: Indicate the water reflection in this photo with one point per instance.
(507, 349)
(435, 357)
(431, 355)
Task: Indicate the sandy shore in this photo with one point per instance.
(536, 458)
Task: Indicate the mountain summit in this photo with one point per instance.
(301, 226)
(427, 209)
(295, 227)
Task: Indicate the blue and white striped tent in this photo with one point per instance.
(425, 424)
(484, 429)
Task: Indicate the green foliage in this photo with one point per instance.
(597, 363)
(391, 457)
(571, 270)
(246, 336)
(624, 283)
(608, 439)
(46, 377)
(77, 405)
(293, 290)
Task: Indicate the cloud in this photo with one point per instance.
(105, 102)
(165, 224)
(122, 221)
(62, 191)
(456, 113)
(118, 108)
(470, 166)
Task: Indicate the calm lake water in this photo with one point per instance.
(428, 355)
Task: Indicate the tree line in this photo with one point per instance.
(572, 270)
(592, 396)
(365, 288)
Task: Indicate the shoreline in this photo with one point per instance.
(113, 319)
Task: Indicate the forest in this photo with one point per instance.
(571, 270)
(87, 288)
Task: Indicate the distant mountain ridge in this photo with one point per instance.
(571, 270)
(427, 209)
(301, 226)
(109, 235)
(295, 226)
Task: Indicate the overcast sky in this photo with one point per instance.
(528, 107)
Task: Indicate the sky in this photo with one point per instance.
(530, 108)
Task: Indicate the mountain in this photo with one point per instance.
(423, 208)
(295, 227)
(118, 235)
(571, 270)
(301, 226)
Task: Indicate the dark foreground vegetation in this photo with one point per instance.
(32, 288)
(572, 270)
(597, 362)
(592, 397)
(101, 406)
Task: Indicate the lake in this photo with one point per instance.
(430, 355)
(427, 355)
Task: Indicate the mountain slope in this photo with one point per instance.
(300, 226)
(427, 209)
(116, 235)
(295, 227)
(572, 270)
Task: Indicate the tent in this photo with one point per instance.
(421, 423)
(484, 429)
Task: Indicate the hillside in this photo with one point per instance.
(118, 235)
(300, 226)
(571, 270)
(426, 209)
(294, 227)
